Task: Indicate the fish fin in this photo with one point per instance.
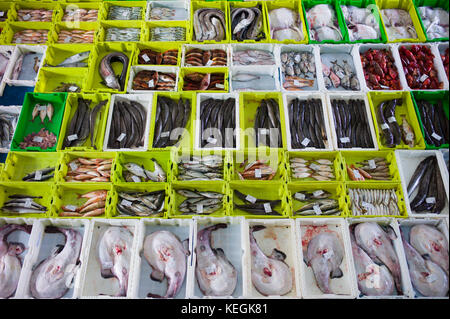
(157, 275)
(337, 273)
(390, 232)
(278, 255)
(57, 249)
(185, 244)
(426, 256)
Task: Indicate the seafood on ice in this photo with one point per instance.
(323, 23)
(285, 24)
(398, 24)
(435, 22)
(362, 23)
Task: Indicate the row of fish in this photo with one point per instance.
(199, 57)
(196, 81)
(298, 70)
(246, 81)
(93, 206)
(253, 57)
(267, 124)
(76, 36)
(165, 11)
(196, 168)
(372, 169)
(136, 173)
(373, 202)
(141, 203)
(317, 202)
(260, 169)
(89, 170)
(20, 203)
(148, 56)
(111, 80)
(124, 13)
(167, 34)
(256, 206)
(339, 75)
(40, 175)
(319, 169)
(199, 202)
(434, 122)
(27, 66)
(30, 36)
(154, 80)
(123, 34)
(34, 15)
(72, 14)
(218, 122)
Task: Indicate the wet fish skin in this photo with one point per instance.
(418, 174)
(107, 73)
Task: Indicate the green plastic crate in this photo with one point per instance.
(431, 3)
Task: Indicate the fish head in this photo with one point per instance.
(15, 249)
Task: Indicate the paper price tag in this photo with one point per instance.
(209, 63)
(199, 209)
(19, 40)
(136, 179)
(72, 208)
(2, 13)
(345, 140)
(317, 193)
(250, 199)
(156, 30)
(121, 137)
(38, 176)
(151, 84)
(211, 140)
(165, 134)
(263, 131)
(37, 139)
(317, 209)
(372, 164)
(305, 141)
(423, 77)
(73, 89)
(384, 126)
(72, 137)
(392, 119)
(430, 200)
(436, 136)
(356, 173)
(220, 86)
(257, 173)
(146, 58)
(109, 79)
(113, 37)
(267, 208)
(384, 86)
(300, 196)
(297, 83)
(126, 203)
(26, 17)
(73, 166)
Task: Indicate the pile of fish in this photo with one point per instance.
(393, 134)
(123, 34)
(253, 57)
(427, 179)
(27, 66)
(4, 60)
(419, 67)
(351, 124)
(215, 274)
(30, 36)
(267, 122)
(361, 23)
(94, 206)
(107, 73)
(76, 36)
(323, 23)
(162, 13)
(373, 169)
(201, 168)
(298, 70)
(124, 13)
(168, 34)
(256, 206)
(34, 15)
(141, 204)
(203, 82)
(434, 122)
(318, 202)
(10, 257)
(83, 124)
(379, 69)
(89, 170)
(199, 57)
(75, 60)
(128, 125)
(21, 204)
(80, 14)
(8, 123)
(427, 257)
(337, 75)
(245, 81)
(218, 123)
(247, 24)
(171, 121)
(40, 175)
(147, 56)
(154, 80)
(319, 169)
(43, 139)
(209, 25)
(136, 173)
(257, 170)
(200, 203)
(307, 124)
(398, 24)
(271, 276)
(67, 87)
(373, 201)
(377, 265)
(445, 61)
(285, 24)
(435, 22)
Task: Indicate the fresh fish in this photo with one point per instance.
(107, 72)
(418, 174)
(93, 119)
(135, 169)
(75, 58)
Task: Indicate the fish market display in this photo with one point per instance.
(8, 123)
(199, 57)
(135, 173)
(107, 73)
(361, 23)
(216, 275)
(27, 66)
(318, 169)
(307, 124)
(256, 206)
(196, 168)
(318, 202)
(398, 24)
(114, 255)
(43, 139)
(52, 277)
(79, 14)
(10, 260)
(351, 124)
(124, 13)
(75, 60)
(323, 23)
(209, 24)
(34, 15)
(154, 80)
(419, 67)
(267, 124)
(94, 206)
(89, 170)
(373, 202)
(20, 204)
(445, 61)
(83, 124)
(434, 122)
(427, 179)
(244, 81)
(285, 24)
(40, 175)
(168, 34)
(271, 276)
(123, 34)
(257, 170)
(380, 71)
(165, 253)
(339, 75)
(30, 36)
(435, 22)
(147, 56)
(218, 122)
(203, 82)
(159, 12)
(377, 242)
(324, 254)
(247, 24)
(253, 57)
(76, 36)
(298, 70)
(200, 202)
(372, 169)
(171, 121)
(141, 204)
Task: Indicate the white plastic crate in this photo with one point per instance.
(257, 71)
(269, 47)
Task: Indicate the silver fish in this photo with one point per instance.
(158, 174)
(135, 169)
(75, 58)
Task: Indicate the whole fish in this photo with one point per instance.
(75, 58)
(114, 252)
(167, 257)
(10, 263)
(216, 276)
(418, 174)
(271, 276)
(325, 254)
(107, 72)
(51, 276)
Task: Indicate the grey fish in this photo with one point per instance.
(107, 73)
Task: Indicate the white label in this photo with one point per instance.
(296, 83)
(72, 137)
(165, 134)
(156, 30)
(384, 86)
(317, 193)
(42, 107)
(113, 37)
(28, 202)
(136, 179)
(257, 173)
(423, 77)
(430, 200)
(328, 254)
(263, 131)
(72, 208)
(38, 176)
(306, 141)
(68, 39)
(73, 166)
(384, 126)
(2, 13)
(73, 89)
(392, 119)
(125, 202)
(367, 205)
(300, 196)
(267, 208)
(151, 84)
(317, 209)
(250, 199)
(345, 140)
(220, 86)
(209, 62)
(37, 139)
(199, 208)
(146, 58)
(356, 173)
(372, 164)
(431, 278)
(26, 17)
(109, 79)
(211, 140)
(125, 13)
(121, 137)
(436, 136)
